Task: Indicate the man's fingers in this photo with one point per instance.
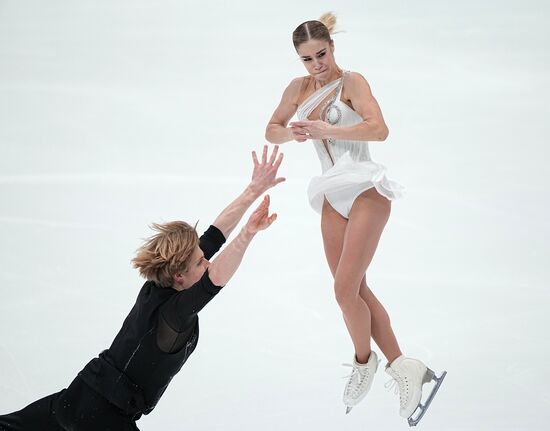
(279, 180)
(274, 155)
(255, 158)
(263, 207)
(265, 203)
(264, 155)
(267, 221)
(279, 161)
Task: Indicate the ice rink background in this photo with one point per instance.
(117, 114)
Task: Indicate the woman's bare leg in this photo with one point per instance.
(381, 330)
(333, 228)
(371, 210)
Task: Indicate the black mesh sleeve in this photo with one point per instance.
(211, 241)
(179, 310)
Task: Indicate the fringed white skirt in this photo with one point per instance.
(346, 180)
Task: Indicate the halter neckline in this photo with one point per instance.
(331, 85)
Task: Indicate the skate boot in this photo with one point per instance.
(360, 381)
(409, 375)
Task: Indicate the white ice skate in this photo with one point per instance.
(409, 375)
(360, 381)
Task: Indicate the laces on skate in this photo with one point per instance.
(396, 383)
(354, 375)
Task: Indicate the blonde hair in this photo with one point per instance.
(329, 20)
(320, 30)
(167, 252)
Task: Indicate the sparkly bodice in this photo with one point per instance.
(337, 113)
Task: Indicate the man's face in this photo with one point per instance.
(198, 264)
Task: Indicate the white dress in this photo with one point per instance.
(347, 168)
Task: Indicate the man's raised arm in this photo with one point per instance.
(227, 262)
(264, 177)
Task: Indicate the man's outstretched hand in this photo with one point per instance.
(264, 175)
(260, 218)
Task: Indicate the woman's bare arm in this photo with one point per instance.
(276, 131)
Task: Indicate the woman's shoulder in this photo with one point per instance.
(355, 84)
(354, 78)
(299, 83)
(296, 88)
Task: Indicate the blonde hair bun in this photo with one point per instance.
(329, 20)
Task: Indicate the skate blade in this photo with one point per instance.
(423, 407)
(348, 409)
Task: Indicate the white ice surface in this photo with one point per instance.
(117, 114)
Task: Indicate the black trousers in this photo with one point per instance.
(77, 408)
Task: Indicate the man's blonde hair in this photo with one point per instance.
(167, 252)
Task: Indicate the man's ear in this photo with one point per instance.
(178, 278)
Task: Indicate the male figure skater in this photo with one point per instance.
(162, 329)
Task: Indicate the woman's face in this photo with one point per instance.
(318, 58)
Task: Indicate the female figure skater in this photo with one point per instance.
(337, 111)
(162, 329)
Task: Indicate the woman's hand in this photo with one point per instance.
(264, 175)
(315, 129)
(298, 134)
(260, 218)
